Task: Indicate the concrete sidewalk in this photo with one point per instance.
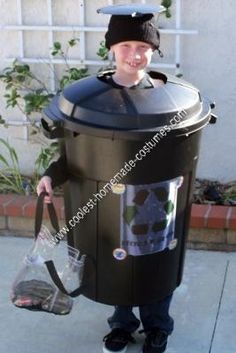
(204, 309)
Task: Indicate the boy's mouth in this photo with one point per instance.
(133, 64)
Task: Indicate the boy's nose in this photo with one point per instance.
(135, 54)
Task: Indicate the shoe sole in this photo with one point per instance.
(160, 350)
(105, 350)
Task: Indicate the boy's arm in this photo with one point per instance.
(57, 171)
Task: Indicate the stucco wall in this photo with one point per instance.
(207, 61)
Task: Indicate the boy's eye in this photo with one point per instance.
(145, 47)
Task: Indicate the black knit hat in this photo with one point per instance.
(123, 28)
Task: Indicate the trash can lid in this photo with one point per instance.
(131, 9)
(92, 103)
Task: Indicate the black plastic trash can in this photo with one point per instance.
(131, 155)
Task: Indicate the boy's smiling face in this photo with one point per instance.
(132, 57)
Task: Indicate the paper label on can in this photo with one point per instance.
(148, 214)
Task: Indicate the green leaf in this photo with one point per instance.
(103, 51)
(9, 86)
(168, 13)
(35, 102)
(2, 121)
(7, 180)
(21, 78)
(7, 187)
(3, 160)
(22, 68)
(6, 144)
(34, 132)
(73, 42)
(14, 155)
(167, 4)
(13, 170)
(57, 45)
(54, 145)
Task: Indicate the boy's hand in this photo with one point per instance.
(45, 184)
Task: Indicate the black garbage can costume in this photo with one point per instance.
(129, 157)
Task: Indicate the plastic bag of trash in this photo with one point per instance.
(51, 272)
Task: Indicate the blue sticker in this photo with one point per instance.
(119, 254)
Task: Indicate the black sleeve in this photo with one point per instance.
(58, 171)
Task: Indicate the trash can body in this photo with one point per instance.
(128, 162)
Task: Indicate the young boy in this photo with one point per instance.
(132, 40)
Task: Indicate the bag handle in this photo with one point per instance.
(50, 264)
(57, 281)
(39, 214)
